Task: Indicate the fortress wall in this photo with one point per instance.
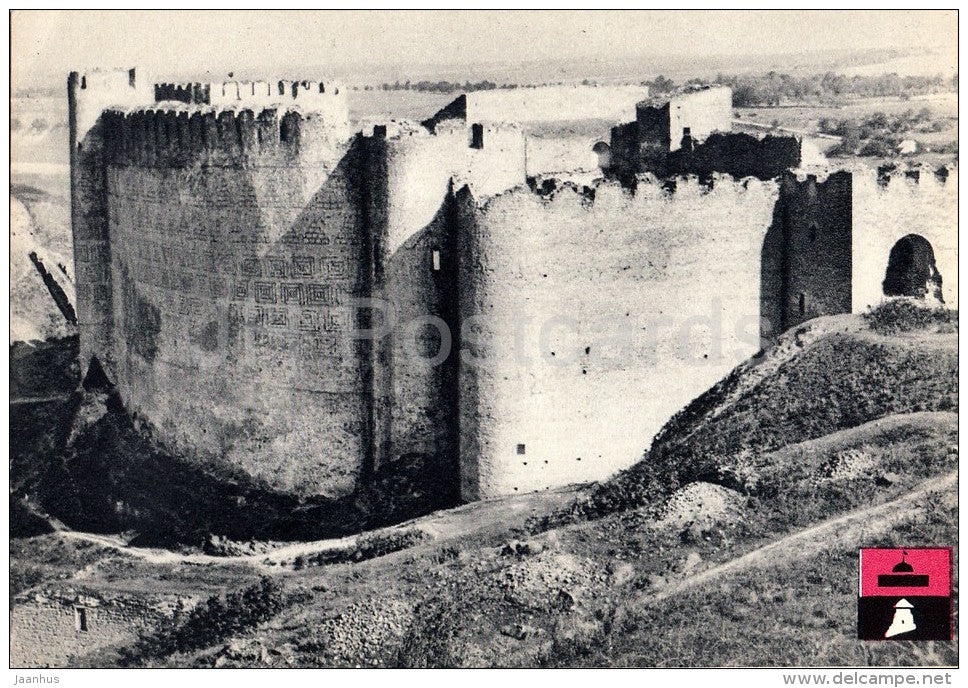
(577, 313)
(494, 167)
(233, 264)
(325, 98)
(808, 252)
(88, 94)
(562, 154)
(554, 103)
(884, 213)
(415, 399)
(417, 261)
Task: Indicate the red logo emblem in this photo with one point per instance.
(905, 594)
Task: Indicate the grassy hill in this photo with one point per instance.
(827, 375)
(733, 542)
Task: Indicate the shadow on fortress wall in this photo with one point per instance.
(111, 475)
(423, 401)
(774, 271)
(116, 473)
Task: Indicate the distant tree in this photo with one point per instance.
(744, 95)
(878, 120)
(851, 139)
(828, 125)
(880, 146)
(661, 84)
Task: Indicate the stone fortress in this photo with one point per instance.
(276, 292)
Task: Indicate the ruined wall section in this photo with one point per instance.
(564, 153)
(661, 123)
(703, 112)
(740, 155)
(88, 94)
(45, 629)
(489, 163)
(917, 201)
(237, 242)
(577, 312)
(556, 120)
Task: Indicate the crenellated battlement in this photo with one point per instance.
(921, 176)
(886, 176)
(104, 79)
(174, 136)
(554, 190)
(90, 92)
(184, 93)
(307, 94)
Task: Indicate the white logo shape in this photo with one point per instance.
(903, 620)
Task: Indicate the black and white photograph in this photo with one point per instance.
(528, 339)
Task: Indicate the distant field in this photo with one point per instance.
(927, 64)
(39, 123)
(38, 130)
(806, 117)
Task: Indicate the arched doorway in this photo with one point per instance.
(911, 270)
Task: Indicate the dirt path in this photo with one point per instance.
(504, 513)
(498, 514)
(808, 541)
(40, 400)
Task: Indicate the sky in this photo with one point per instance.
(59, 41)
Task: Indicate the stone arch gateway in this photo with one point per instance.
(911, 269)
